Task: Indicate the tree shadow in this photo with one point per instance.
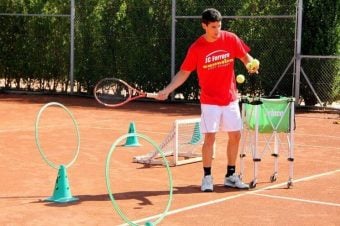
(146, 106)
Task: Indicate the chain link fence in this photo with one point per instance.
(132, 40)
(268, 31)
(320, 81)
(34, 47)
(128, 41)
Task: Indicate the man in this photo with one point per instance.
(212, 55)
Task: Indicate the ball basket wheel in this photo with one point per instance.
(252, 184)
(273, 177)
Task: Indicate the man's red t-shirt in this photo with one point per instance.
(214, 62)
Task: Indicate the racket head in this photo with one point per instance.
(114, 92)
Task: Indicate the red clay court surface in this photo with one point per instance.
(142, 192)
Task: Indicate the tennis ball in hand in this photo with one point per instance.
(255, 63)
(249, 65)
(240, 79)
(253, 66)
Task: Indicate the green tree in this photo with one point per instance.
(271, 41)
(34, 49)
(321, 36)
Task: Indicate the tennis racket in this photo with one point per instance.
(114, 92)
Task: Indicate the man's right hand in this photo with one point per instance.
(162, 95)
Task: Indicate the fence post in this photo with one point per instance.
(298, 51)
(173, 41)
(72, 16)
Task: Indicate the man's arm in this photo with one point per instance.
(246, 59)
(176, 81)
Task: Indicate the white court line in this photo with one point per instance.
(315, 146)
(299, 200)
(240, 195)
(315, 135)
(125, 131)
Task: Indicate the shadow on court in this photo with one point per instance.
(142, 106)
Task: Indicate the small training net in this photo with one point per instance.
(182, 145)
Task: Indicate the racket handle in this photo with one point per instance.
(151, 95)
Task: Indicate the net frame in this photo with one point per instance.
(182, 145)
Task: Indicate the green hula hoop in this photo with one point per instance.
(37, 121)
(108, 184)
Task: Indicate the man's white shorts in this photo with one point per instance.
(216, 118)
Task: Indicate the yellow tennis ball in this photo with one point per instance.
(255, 63)
(249, 65)
(240, 79)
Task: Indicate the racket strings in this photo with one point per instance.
(113, 92)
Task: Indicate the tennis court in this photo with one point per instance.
(142, 192)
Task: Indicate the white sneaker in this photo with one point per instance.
(234, 181)
(207, 184)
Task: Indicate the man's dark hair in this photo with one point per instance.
(211, 15)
